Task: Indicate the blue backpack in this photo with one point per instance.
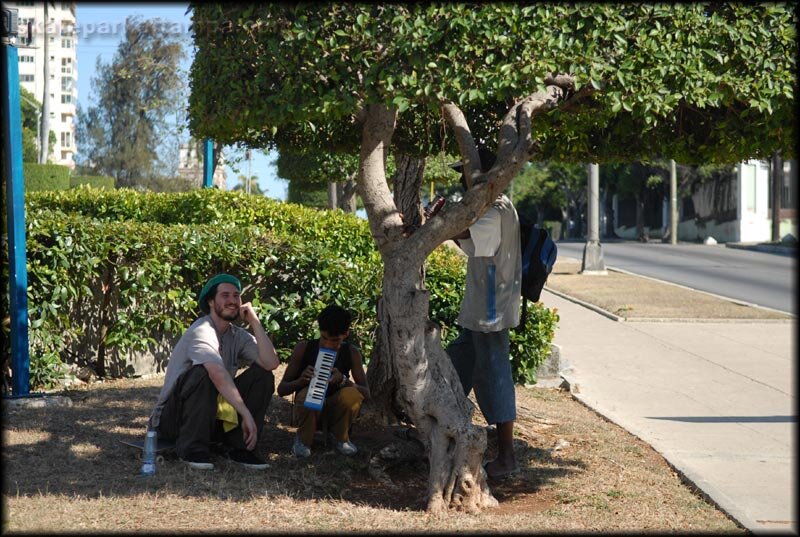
(538, 257)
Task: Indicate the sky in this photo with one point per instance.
(101, 26)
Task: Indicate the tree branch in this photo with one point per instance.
(466, 144)
(385, 221)
(515, 147)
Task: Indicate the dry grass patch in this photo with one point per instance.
(633, 297)
(66, 470)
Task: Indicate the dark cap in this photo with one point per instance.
(487, 157)
(211, 284)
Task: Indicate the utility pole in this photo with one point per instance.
(593, 253)
(777, 188)
(333, 201)
(673, 202)
(10, 122)
(248, 155)
(44, 143)
(208, 163)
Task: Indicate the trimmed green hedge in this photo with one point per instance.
(127, 277)
(45, 177)
(94, 181)
(347, 234)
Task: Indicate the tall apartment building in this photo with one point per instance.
(62, 39)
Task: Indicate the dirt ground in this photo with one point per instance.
(65, 470)
(635, 298)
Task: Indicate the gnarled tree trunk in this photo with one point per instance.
(414, 373)
(407, 182)
(409, 368)
(428, 390)
(346, 194)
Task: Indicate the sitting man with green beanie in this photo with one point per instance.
(201, 383)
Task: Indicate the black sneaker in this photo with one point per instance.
(198, 461)
(248, 459)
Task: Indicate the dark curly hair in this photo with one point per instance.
(335, 320)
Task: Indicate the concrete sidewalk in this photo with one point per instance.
(717, 400)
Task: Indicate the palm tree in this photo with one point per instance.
(249, 184)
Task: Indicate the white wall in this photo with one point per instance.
(753, 211)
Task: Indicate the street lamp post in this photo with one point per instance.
(248, 155)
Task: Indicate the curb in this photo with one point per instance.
(768, 248)
(44, 401)
(689, 478)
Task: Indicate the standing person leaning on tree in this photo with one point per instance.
(202, 400)
(480, 353)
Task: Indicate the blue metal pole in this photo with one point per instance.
(208, 163)
(15, 206)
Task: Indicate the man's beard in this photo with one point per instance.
(224, 314)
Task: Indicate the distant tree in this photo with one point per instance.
(537, 195)
(318, 170)
(135, 93)
(255, 188)
(558, 82)
(30, 118)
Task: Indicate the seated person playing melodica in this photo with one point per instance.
(343, 397)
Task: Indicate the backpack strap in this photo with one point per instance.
(524, 317)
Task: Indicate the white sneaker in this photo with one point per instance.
(299, 449)
(198, 461)
(346, 448)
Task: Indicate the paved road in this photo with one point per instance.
(761, 278)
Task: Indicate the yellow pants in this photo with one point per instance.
(337, 414)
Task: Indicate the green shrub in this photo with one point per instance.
(117, 270)
(530, 346)
(46, 370)
(345, 233)
(45, 176)
(129, 284)
(94, 181)
(311, 198)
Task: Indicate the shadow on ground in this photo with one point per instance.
(76, 451)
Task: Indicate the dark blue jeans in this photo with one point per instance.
(482, 362)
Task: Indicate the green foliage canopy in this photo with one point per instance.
(689, 81)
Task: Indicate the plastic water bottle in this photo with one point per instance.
(149, 457)
(434, 207)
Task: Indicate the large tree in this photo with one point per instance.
(30, 111)
(136, 94)
(584, 82)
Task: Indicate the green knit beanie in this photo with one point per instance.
(212, 285)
